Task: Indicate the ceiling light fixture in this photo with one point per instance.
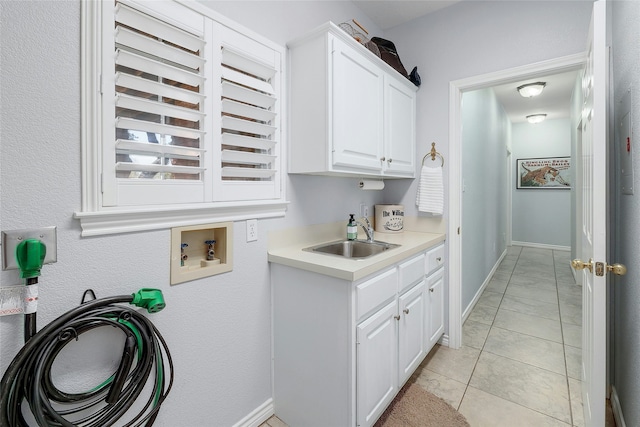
(531, 89)
(536, 118)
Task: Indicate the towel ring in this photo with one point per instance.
(433, 153)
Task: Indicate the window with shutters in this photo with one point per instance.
(182, 118)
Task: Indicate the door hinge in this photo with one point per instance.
(458, 231)
(102, 183)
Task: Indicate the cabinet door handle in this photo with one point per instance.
(405, 311)
(390, 160)
(382, 159)
(439, 259)
(430, 289)
(397, 317)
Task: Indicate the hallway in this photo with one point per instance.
(520, 360)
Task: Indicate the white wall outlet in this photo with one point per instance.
(252, 230)
(364, 210)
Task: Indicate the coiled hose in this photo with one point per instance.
(28, 377)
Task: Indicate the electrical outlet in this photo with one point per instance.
(11, 240)
(252, 230)
(364, 210)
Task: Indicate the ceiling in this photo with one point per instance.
(555, 100)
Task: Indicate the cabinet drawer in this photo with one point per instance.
(411, 271)
(375, 291)
(434, 259)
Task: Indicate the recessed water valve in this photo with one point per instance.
(183, 256)
(210, 249)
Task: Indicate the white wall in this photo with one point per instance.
(542, 217)
(472, 38)
(314, 200)
(486, 130)
(626, 245)
(218, 328)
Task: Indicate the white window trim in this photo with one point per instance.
(97, 220)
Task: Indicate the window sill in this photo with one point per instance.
(129, 221)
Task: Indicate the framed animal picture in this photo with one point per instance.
(548, 173)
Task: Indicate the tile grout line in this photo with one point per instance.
(564, 351)
(485, 341)
(566, 375)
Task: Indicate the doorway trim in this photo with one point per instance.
(454, 232)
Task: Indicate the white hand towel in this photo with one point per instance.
(430, 197)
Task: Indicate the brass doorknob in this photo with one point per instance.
(578, 264)
(617, 269)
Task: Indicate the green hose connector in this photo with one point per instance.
(149, 298)
(30, 255)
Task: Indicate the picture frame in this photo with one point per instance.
(543, 173)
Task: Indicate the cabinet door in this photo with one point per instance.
(400, 127)
(411, 332)
(435, 285)
(356, 110)
(377, 364)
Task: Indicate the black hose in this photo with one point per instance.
(28, 377)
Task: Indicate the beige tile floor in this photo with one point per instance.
(519, 363)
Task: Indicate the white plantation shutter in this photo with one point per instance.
(250, 123)
(182, 117)
(158, 86)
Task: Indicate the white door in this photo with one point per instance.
(594, 221)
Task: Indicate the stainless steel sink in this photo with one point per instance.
(352, 248)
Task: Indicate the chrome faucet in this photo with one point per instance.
(368, 229)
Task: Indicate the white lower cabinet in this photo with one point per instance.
(377, 363)
(390, 346)
(342, 350)
(411, 336)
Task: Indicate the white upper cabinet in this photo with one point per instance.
(356, 109)
(351, 113)
(400, 130)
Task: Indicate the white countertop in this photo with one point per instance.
(289, 252)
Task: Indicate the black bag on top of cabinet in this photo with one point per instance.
(389, 54)
(415, 77)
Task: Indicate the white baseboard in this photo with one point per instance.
(258, 416)
(542, 246)
(478, 294)
(616, 408)
(444, 340)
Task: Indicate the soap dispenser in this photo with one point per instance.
(352, 228)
